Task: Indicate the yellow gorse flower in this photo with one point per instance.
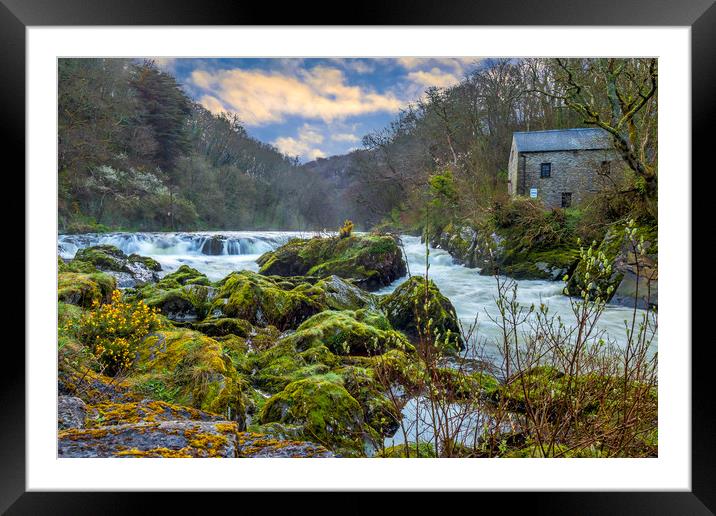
(114, 330)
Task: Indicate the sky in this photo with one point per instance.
(313, 108)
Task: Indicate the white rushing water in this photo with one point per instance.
(472, 294)
(216, 254)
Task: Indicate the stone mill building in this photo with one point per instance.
(562, 167)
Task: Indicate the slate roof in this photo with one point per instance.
(562, 139)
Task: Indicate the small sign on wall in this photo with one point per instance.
(533, 193)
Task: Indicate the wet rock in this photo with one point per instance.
(214, 245)
(264, 446)
(84, 289)
(371, 261)
(129, 271)
(265, 301)
(71, 412)
(408, 301)
(343, 295)
(158, 439)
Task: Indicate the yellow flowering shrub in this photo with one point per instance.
(346, 229)
(114, 330)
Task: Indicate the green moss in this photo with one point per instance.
(190, 302)
(372, 261)
(184, 275)
(262, 301)
(83, 289)
(360, 332)
(222, 326)
(327, 413)
(105, 257)
(459, 385)
(615, 245)
(421, 450)
(149, 263)
(412, 300)
(190, 369)
(62, 266)
(340, 294)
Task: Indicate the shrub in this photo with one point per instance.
(114, 330)
(346, 229)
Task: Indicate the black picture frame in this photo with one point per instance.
(17, 15)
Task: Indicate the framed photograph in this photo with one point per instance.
(301, 257)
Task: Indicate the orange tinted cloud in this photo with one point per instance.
(260, 97)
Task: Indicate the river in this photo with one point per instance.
(471, 294)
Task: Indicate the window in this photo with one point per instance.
(606, 168)
(545, 170)
(566, 199)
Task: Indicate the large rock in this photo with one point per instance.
(372, 261)
(325, 410)
(84, 289)
(252, 445)
(183, 304)
(129, 271)
(622, 274)
(409, 301)
(184, 295)
(343, 295)
(502, 251)
(266, 301)
(150, 428)
(347, 332)
(188, 368)
(214, 245)
(167, 439)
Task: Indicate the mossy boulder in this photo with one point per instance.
(108, 413)
(183, 295)
(130, 271)
(272, 369)
(625, 274)
(188, 368)
(257, 445)
(360, 332)
(191, 302)
(325, 410)
(166, 439)
(83, 289)
(414, 299)
(104, 257)
(223, 326)
(372, 261)
(340, 294)
(264, 301)
(378, 410)
(184, 275)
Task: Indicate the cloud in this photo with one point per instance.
(433, 77)
(359, 66)
(304, 146)
(458, 65)
(261, 97)
(345, 137)
(212, 104)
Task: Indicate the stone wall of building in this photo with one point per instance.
(575, 172)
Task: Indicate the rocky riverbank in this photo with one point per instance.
(494, 249)
(291, 361)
